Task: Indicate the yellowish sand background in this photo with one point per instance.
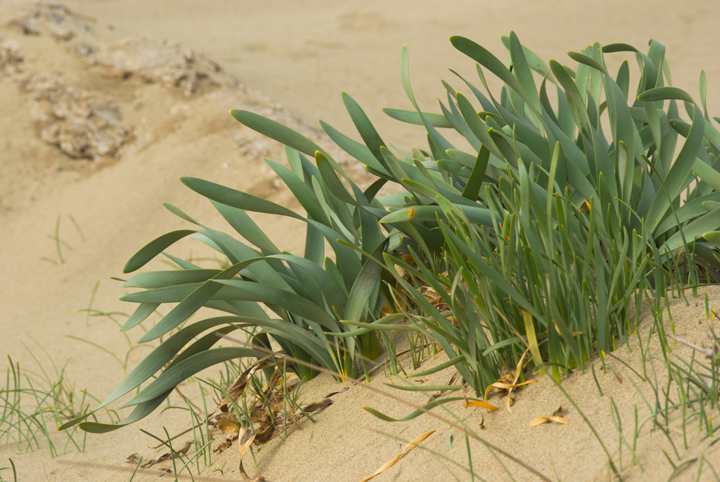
(289, 60)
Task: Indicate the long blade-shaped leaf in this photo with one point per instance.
(153, 248)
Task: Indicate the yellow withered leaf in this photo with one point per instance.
(509, 401)
(511, 386)
(507, 383)
(402, 454)
(538, 421)
(478, 403)
(555, 417)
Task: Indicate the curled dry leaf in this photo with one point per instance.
(418, 440)
(434, 298)
(509, 402)
(555, 417)
(231, 431)
(240, 384)
(247, 437)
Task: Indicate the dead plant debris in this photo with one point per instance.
(507, 383)
(135, 458)
(418, 440)
(264, 411)
(555, 417)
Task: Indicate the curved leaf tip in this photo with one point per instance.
(153, 248)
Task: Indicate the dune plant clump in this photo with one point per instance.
(534, 240)
(590, 205)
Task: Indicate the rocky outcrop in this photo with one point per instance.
(82, 117)
(81, 123)
(11, 57)
(161, 62)
(52, 18)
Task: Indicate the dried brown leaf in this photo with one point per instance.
(265, 433)
(418, 440)
(241, 382)
(247, 437)
(332, 394)
(164, 456)
(223, 446)
(314, 407)
(224, 417)
(228, 426)
(229, 429)
(156, 460)
(508, 387)
(133, 459)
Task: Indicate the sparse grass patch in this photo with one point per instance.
(33, 406)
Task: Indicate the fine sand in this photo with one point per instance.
(159, 78)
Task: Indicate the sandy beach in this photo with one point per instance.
(78, 199)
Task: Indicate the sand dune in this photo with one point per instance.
(108, 103)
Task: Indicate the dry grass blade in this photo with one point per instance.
(710, 353)
(247, 437)
(417, 441)
(391, 396)
(555, 417)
